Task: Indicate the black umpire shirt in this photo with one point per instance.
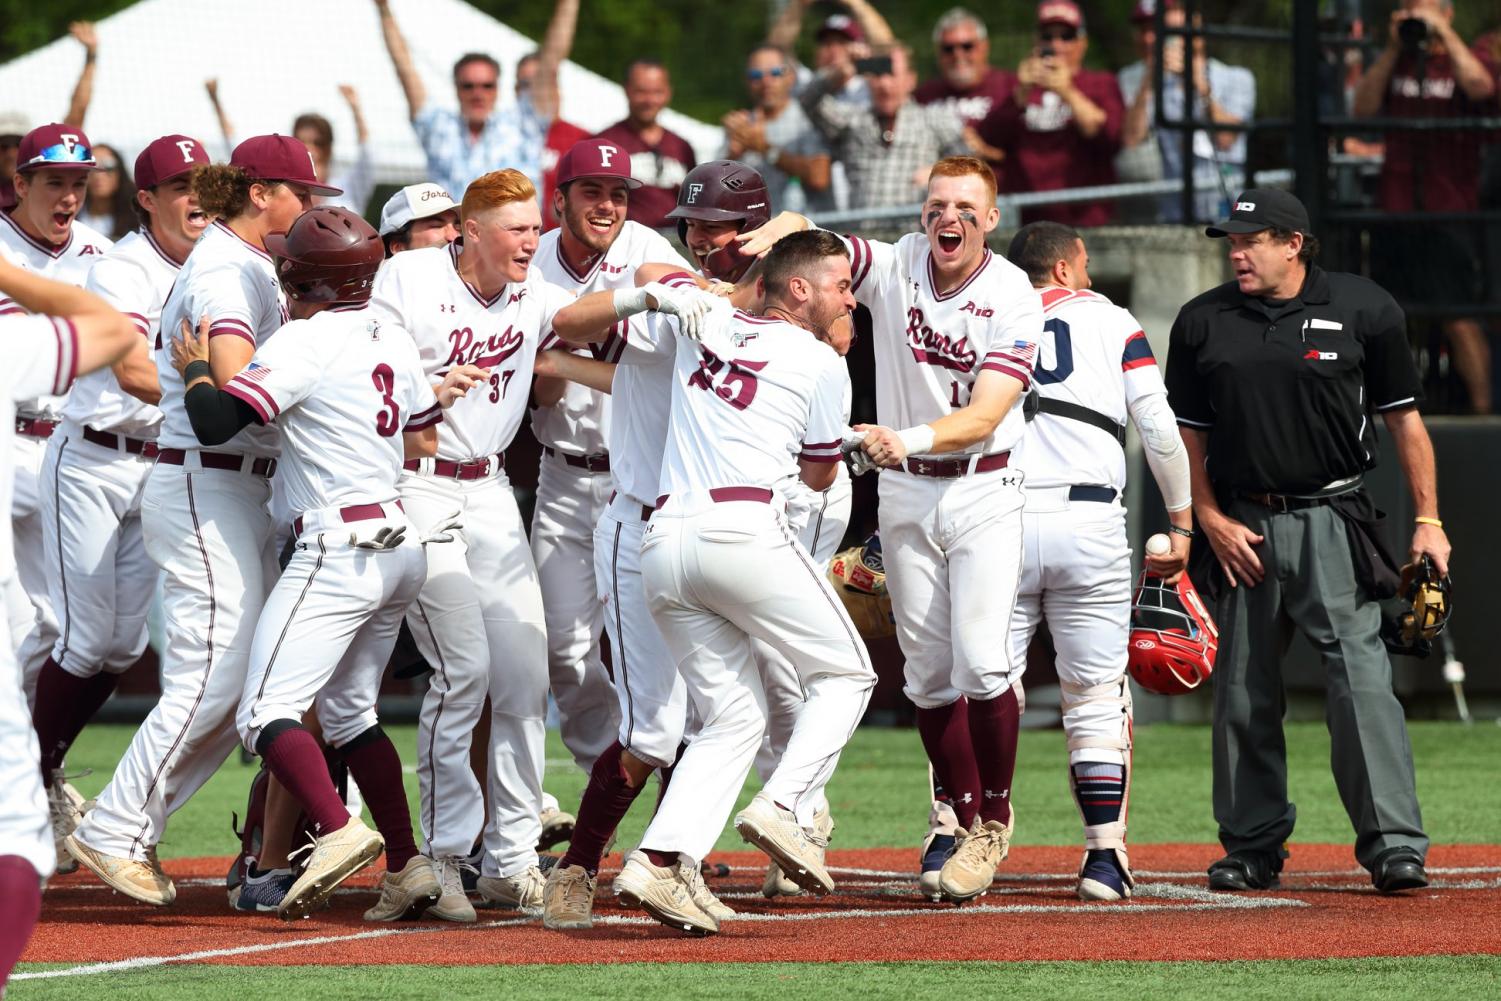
(1287, 390)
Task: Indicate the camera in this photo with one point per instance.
(874, 66)
(1412, 32)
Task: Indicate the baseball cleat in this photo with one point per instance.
(568, 898)
(557, 827)
(520, 891)
(453, 904)
(65, 813)
(263, 893)
(777, 884)
(777, 833)
(406, 894)
(141, 881)
(704, 897)
(1103, 877)
(978, 853)
(663, 893)
(335, 857)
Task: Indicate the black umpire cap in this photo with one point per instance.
(1263, 208)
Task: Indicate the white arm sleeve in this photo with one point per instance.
(1166, 455)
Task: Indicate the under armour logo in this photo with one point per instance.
(1245, 206)
(968, 798)
(996, 795)
(606, 152)
(187, 146)
(694, 190)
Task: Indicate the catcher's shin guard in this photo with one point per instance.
(1097, 721)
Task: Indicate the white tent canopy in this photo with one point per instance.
(276, 59)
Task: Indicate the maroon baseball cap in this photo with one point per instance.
(279, 158)
(1144, 9)
(1060, 12)
(595, 158)
(55, 147)
(166, 158)
(842, 24)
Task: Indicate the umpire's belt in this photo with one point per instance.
(34, 427)
(1292, 502)
(948, 469)
(599, 462)
(320, 519)
(469, 469)
(234, 462)
(143, 447)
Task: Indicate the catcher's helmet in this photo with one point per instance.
(1423, 604)
(330, 255)
(723, 191)
(859, 578)
(1173, 639)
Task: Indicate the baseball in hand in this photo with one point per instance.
(1159, 545)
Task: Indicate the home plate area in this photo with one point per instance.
(1324, 908)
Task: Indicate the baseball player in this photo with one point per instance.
(721, 567)
(72, 333)
(594, 249)
(478, 620)
(352, 399)
(205, 517)
(955, 333)
(42, 234)
(1094, 370)
(95, 470)
(417, 216)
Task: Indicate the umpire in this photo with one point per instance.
(1275, 378)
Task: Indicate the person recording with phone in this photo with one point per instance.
(1061, 125)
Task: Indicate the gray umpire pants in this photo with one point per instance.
(1309, 584)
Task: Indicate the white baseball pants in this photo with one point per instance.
(953, 550)
(209, 532)
(570, 501)
(717, 578)
(101, 580)
(33, 633)
(24, 827)
(478, 621)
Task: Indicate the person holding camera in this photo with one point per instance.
(1428, 72)
(1061, 124)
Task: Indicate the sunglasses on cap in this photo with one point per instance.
(1059, 34)
(949, 48)
(63, 153)
(775, 71)
(478, 84)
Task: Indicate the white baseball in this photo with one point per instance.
(1159, 545)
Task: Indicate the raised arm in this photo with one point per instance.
(352, 98)
(556, 45)
(105, 335)
(401, 60)
(226, 129)
(83, 91)
(878, 34)
(788, 25)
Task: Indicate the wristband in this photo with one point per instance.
(1187, 533)
(197, 369)
(917, 440)
(1429, 521)
(629, 302)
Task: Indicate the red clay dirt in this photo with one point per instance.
(1325, 908)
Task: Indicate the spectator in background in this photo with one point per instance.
(966, 83)
(1060, 126)
(1432, 74)
(888, 148)
(1223, 94)
(561, 135)
(479, 137)
(109, 206)
(417, 216)
(841, 38)
(660, 159)
(317, 134)
(14, 125)
(776, 139)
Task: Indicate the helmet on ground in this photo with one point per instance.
(859, 578)
(723, 191)
(329, 255)
(1173, 640)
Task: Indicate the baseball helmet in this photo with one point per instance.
(723, 191)
(330, 255)
(1421, 610)
(859, 578)
(1173, 639)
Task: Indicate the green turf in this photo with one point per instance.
(1454, 978)
(879, 792)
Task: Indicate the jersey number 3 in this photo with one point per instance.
(1063, 354)
(388, 420)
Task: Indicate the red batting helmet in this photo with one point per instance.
(723, 191)
(1173, 639)
(330, 255)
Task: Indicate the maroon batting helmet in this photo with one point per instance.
(723, 191)
(330, 255)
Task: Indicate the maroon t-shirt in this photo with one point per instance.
(660, 169)
(972, 103)
(1432, 171)
(561, 137)
(1045, 152)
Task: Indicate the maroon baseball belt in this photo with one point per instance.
(724, 495)
(355, 512)
(469, 469)
(599, 462)
(232, 462)
(143, 447)
(948, 469)
(34, 427)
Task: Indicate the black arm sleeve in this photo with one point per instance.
(216, 415)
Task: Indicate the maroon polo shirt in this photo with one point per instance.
(660, 169)
(972, 103)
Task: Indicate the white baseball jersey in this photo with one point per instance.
(135, 278)
(931, 346)
(233, 283)
(69, 263)
(343, 386)
(1093, 354)
(801, 500)
(41, 358)
(453, 324)
(745, 420)
(579, 423)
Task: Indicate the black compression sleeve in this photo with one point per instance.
(216, 415)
